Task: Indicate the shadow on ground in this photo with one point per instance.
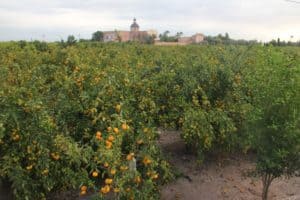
(218, 179)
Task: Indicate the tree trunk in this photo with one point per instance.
(267, 180)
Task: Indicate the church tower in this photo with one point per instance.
(134, 26)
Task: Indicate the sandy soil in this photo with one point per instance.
(223, 179)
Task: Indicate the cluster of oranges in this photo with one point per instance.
(83, 190)
(106, 188)
(109, 141)
(98, 135)
(111, 138)
(152, 175)
(108, 182)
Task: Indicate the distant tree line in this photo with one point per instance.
(225, 39)
(279, 42)
(165, 37)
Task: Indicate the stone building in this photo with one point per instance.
(133, 35)
(194, 39)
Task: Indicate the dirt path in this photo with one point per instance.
(213, 180)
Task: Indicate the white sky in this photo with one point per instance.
(56, 19)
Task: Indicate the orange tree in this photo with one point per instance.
(70, 125)
(275, 119)
(216, 100)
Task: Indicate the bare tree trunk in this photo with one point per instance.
(267, 180)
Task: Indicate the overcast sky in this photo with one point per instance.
(55, 19)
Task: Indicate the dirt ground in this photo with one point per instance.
(215, 180)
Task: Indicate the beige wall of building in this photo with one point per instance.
(152, 32)
(197, 38)
(109, 36)
(187, 40)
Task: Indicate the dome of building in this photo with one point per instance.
(134, 26)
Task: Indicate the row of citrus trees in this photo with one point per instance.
(85, 116)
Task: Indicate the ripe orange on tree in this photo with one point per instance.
(95, 174)
(130, 156)
(125, 126)
(111, 138)
(108, 181)
(105, 189)
(116, 130)
(118, 108)
(146, 161)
